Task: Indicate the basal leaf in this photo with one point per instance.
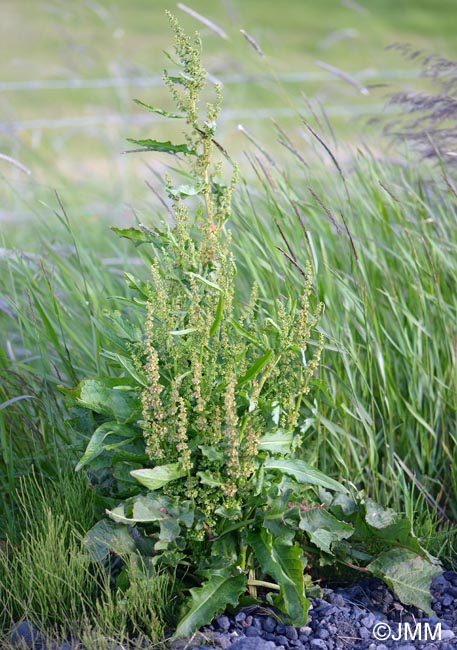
(285, 565)
(103, 396)
(104, 537)
(374, 524)
(379, 517)
(96, 444)
(302, 473)
(223, 587)
(163, 147)
(159, 476)
(408, 574)
(323, 528)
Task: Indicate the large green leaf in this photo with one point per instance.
(374, 524)
(223, 587)
(159, 476)
(106, 536)
(112, 397)
(303, 473)
(166, 147)
(97, 443)
(323, 528)
(408, 574)
(284, 564)
(279, 442)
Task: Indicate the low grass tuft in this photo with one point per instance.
(48, 577)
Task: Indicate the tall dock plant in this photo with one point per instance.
(196, 448)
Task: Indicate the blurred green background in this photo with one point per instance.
(69, 72)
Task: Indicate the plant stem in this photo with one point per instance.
(263, 583)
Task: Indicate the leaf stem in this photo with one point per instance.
(263, 583)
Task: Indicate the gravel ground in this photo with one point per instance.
(365, 616)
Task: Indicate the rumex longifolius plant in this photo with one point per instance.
(196, 440)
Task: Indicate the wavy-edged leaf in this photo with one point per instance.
(158, 476)
(159, 111)
(284, 563)
(184, 191)
(163, 147)
(223, 587)
(142, 235)
(409, 575)
(323, 528)
(303, 473)
(277, 442)
(96, 444)
(105, 537)
(112, 397)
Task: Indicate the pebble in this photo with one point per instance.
(318, 644)
(223, 622)
(25, 634)
(253, 644)
(343, 619)
(269, 624)
(252, 631)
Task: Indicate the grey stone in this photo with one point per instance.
(368, 621)
(256, 643)
(291, 632)
(252, 631)
(283, 640)
(223, 622)
(318, 644)
(269, 624)
(25, 634)
(447, 634)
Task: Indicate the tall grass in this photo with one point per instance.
(51, 301)
(383, 242)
